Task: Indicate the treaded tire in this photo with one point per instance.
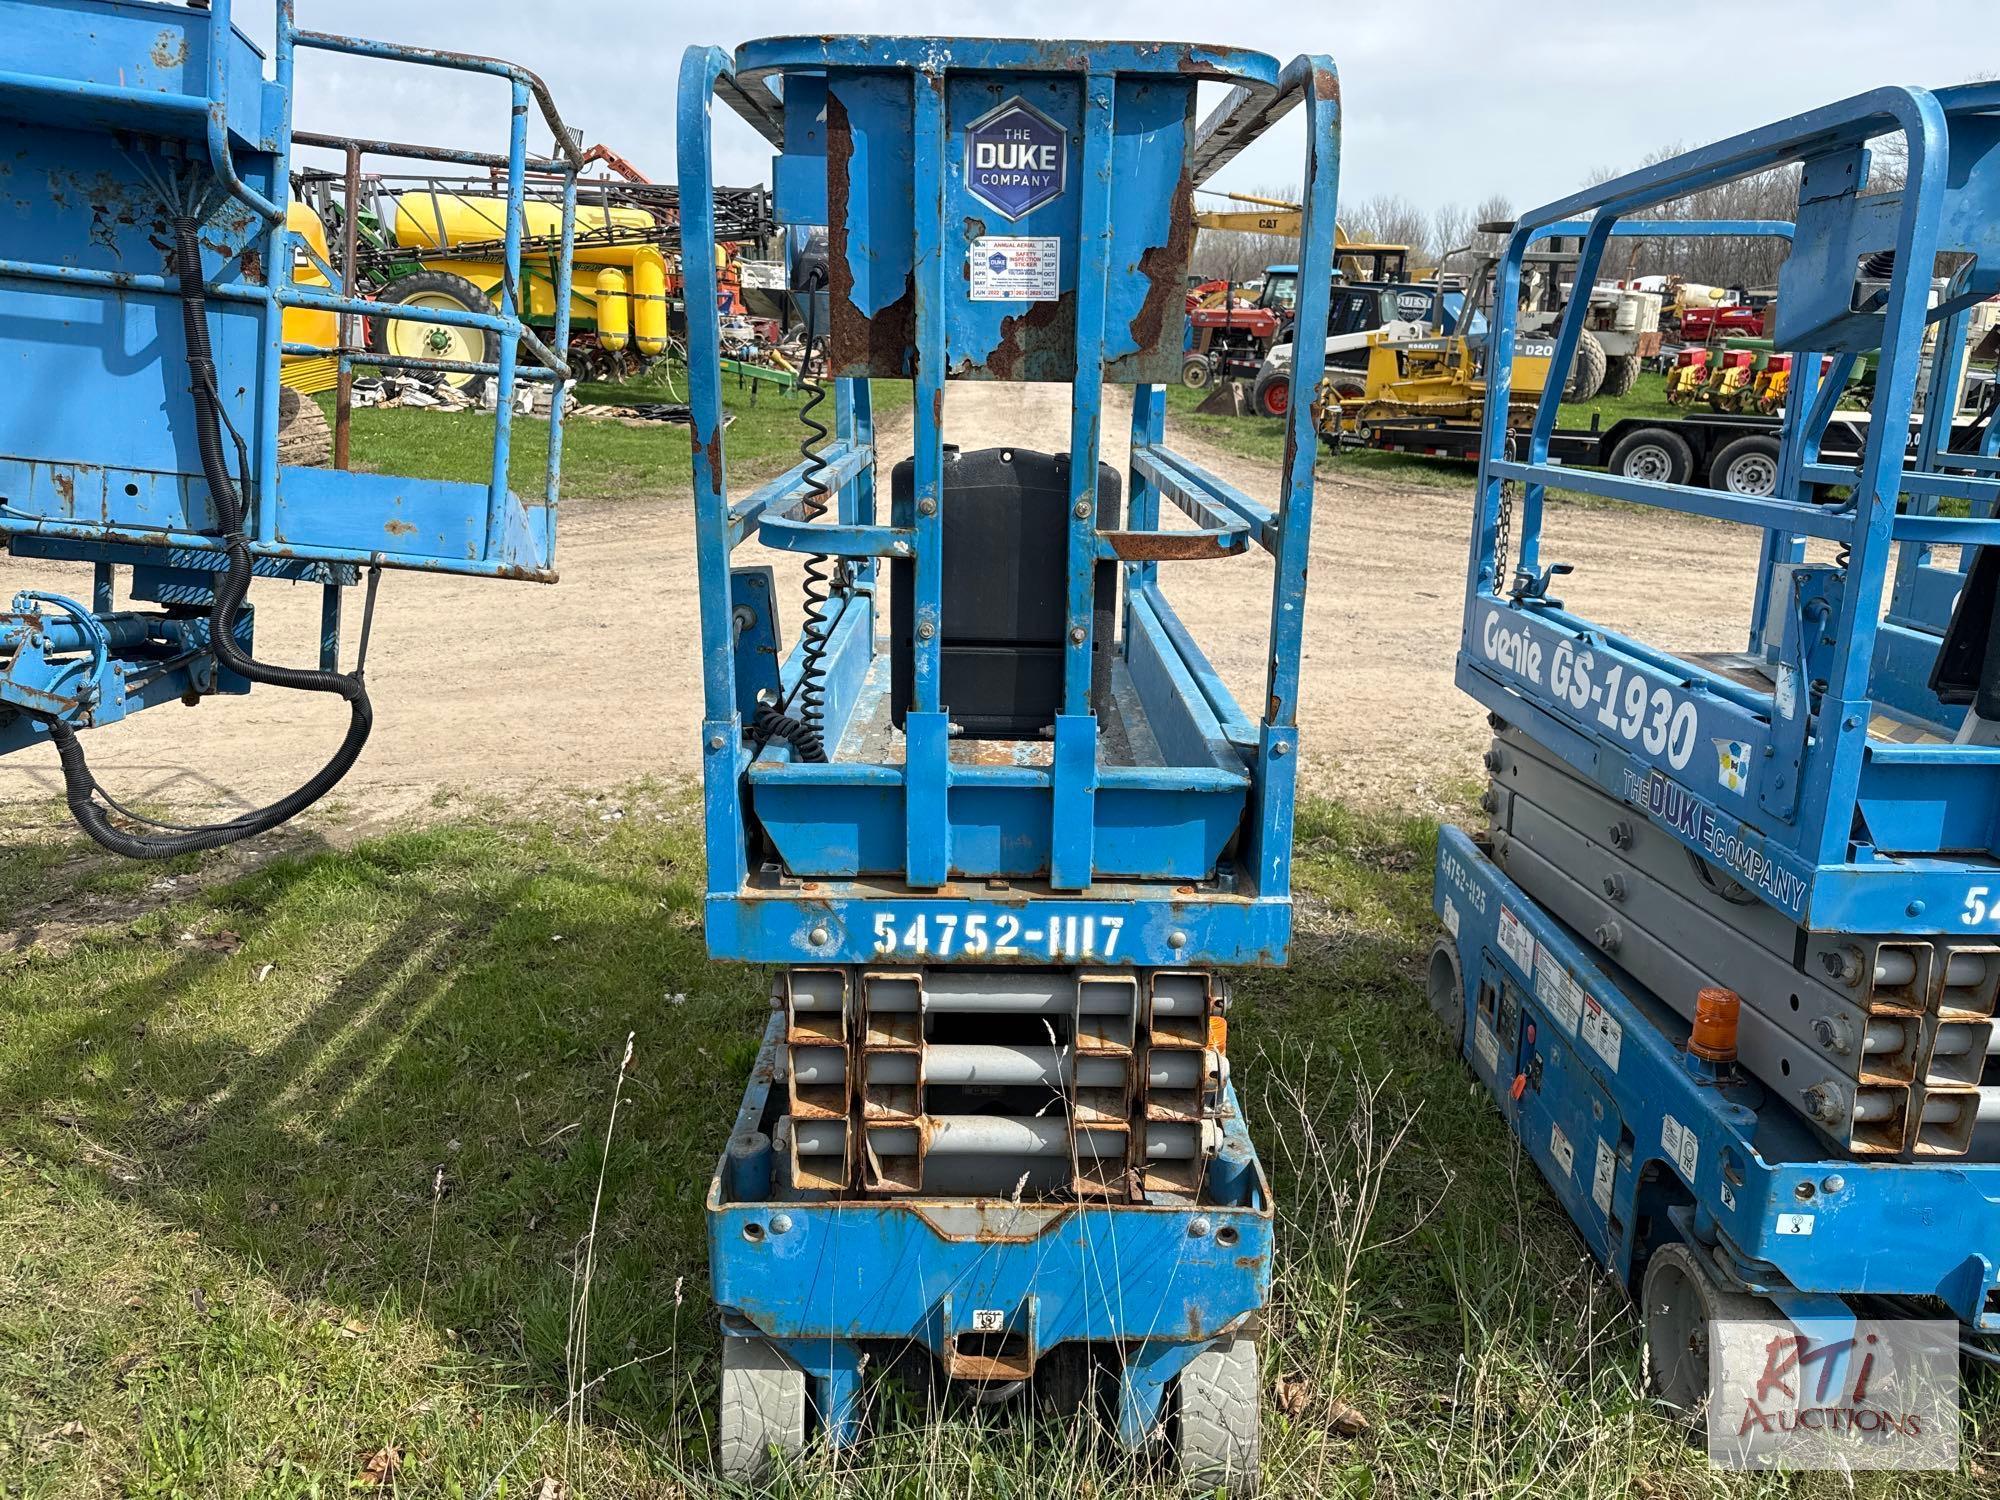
(305, 438)
(1586, 372)
(763, 1410)
(1273, 396)
(1677, 1301)
(445, 285)
(1620, 375)
(1220, 1404)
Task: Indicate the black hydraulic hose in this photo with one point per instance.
(232, 587)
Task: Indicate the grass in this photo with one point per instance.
(601, 459)
(297, 1167)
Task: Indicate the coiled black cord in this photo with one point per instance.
(805, 731)
(80, 786)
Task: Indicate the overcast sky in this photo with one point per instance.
(1448, 101)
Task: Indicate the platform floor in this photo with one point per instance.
(1754, 673)
(1125, 738)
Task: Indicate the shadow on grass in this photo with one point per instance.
(286, 1068)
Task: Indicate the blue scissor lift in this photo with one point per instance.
(142, 308)
(1003, 854)
(1812, 823)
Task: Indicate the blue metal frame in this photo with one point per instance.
(1088, 846)
(820, 1279)
(133, 110)
(1632, 1130)
(1931, 811)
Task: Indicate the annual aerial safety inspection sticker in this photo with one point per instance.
(1016, 268)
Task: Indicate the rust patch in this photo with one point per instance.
(253, 268)
(1326, 85)
(1165, 268)
(1171, 546)
(1019, 335)
(857, 343)
(399, 528)
(170, 49)
(65, 485)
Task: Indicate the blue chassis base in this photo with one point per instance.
(1626, 1127)
(822, 1279)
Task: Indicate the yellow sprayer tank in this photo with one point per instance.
(637, 298)
(306, 325)
(614, 310)
(649, 304)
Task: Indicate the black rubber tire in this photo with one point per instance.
(1197, 374)
(1620, 375)
(439, 284)
(1586, 371)
(1754, 456)
(1664, 453)
(305, 438)
(1273, 389)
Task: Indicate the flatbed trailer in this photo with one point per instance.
(1672, 450)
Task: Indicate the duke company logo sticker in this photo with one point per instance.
(1828, 1393)
(1016, 158)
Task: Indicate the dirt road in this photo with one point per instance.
(520, 691)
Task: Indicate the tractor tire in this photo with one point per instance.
(1273, 396)
(416, 339)
(1196, 373)
(1657, 454)
(1747, 466)
(305, 439)
(1586, 371)
(1620, 375)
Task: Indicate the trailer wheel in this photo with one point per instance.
(1658, 454)
(1748, 466)
(763, 1410)
(1620, 375)
(1586, 371)
(416, 339)
(1219, 1405)
(1444, 986)
(1196, 373)
(1680, 1300)
(1272, 396)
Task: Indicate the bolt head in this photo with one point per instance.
(716, 742)
(926, 630)
(1079, 635)
(1280, 750)
(1082, 510)
(781, 1223)
(1832, 1184)
(927, 507)
(1198, 1226)
(819, 937)
(1177, 939)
